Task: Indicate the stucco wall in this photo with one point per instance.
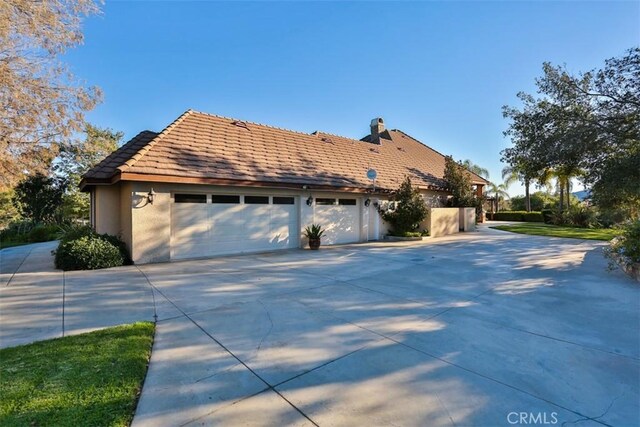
(150, 223)
(123, 210)
(467, 219)
(442, 221)
(107, 209)
(125, 213)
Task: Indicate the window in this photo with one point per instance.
(347, 202)
(325, 201)
(283, 201)
(256, 200)
(221, 198)
(190, 198)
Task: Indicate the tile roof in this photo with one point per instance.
(200, 145)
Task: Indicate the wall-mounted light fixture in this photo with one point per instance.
(367, 202)
(309, 201)
(151, 196)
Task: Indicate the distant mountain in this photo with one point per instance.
(581, 195)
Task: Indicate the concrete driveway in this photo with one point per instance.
(486, 328)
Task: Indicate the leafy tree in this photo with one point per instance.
(539, 200)
(588, 122)
(478, 170)
(411, 209)
(458, 183)
(8, 210)
(76, 158)
(38, 197)
(42, 103)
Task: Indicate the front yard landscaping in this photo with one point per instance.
(537, 229)
(89, 379)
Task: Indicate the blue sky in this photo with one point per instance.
(439, 71)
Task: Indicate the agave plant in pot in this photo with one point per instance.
(314, 233)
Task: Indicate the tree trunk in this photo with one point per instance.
(527, 195)
(561, 184)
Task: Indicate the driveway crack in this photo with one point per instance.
(270, 326)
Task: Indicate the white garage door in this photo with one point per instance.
(340, 218)
(217, 224)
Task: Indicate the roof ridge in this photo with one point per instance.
(317, 132)
(142, 151)
(250, 122)
(433, 149)
(273, 127)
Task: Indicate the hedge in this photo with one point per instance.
(522, 216)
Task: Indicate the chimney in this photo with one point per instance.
(377, 127)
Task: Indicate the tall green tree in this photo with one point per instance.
(39, 198)
(76, 158)
(41, 102)
(458, 181)
(587, 122)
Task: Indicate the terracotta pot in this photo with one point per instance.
(314, 244)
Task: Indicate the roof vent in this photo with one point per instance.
(240, 124)
(377, 127)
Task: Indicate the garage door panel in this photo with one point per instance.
(342, 223)
(200, 230)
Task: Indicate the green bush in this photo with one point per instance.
(516, 216)
(410, 209)
(532, 217)
(73, 232)
(88, 253)
(582, 216)
(627, 245)
(547, 215)
(43, 233)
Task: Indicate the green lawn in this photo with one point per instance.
(92, 379)
(538, 229)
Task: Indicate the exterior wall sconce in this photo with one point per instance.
(151, 196)
(309, 201)
(367, 202)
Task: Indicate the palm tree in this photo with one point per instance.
(563, 177)
(478, 170)
(512, 174)
(498, 191)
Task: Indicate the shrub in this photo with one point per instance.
(532, 217)
(627, 245)
(581, 216)
(42, 233)
(559, 218)
(88, 253)
(411, 209)
(73, 232)
(516, 216)
(547, 215)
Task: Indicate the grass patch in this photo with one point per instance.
(92, 379)
(556, 231)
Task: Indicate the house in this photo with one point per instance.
(209, 185)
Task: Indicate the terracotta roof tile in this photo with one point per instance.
(201, 145)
